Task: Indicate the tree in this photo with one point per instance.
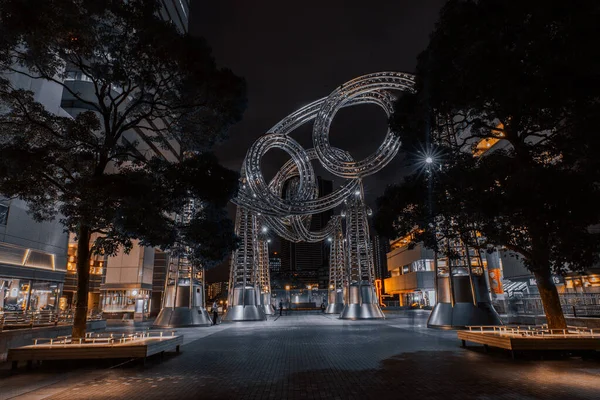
(520, 75)
(122, 69)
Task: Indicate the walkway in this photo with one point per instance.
(320, 357)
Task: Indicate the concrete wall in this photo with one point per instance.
(135, 267)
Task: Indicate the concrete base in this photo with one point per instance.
(244, 313)
(444, 316)
(177, 317)
(334, 308)
(362, 311)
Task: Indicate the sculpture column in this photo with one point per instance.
(244, 291)
(264, 276)
(338, 275)
(462, 294)
(361, 302)
(183, 298)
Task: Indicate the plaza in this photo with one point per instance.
(315, 356)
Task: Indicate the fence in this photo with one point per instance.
(30, 319)
(576, 305)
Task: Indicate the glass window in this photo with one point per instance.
(13, 294)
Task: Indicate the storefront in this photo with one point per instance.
(28, 295)
(124, 303)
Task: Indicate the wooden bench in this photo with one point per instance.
(100, 348)
(527, 342)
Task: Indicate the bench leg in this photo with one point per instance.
(486, 348)
(15, 365)
(512, 354)
(177, 349)
(29, 364)
(464, 343)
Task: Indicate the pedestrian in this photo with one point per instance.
(215, 310)
(323, 307)
(280, 308)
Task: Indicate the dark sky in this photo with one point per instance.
(292, 53)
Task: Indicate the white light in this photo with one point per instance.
(268, 240)
(429, 160)
(357, 193)
(329, 239)
(134, 293)
(264, 229)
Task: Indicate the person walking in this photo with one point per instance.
(280, 308)
(323, 307)
(215, 310)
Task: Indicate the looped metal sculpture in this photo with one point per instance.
(288, 214)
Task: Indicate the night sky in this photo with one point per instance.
(292, 53)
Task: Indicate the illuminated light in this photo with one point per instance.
(357, 193)
(329, 239)
(265, 229)
(330, 286)
(287, 287)
(26, 256)
(429, 160)
(268, 240)
(134, 293)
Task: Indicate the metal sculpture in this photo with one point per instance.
(338, 276)
(362, 302)
(264, 276)
(289, 216)
(461, 287)
(244, 279)
(183, 298)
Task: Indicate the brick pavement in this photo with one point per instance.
(321, 357)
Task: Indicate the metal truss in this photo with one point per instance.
(361, 267)
(338, 277)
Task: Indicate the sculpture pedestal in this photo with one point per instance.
(444, 316)
(244, 306)
(177, 317)
(362, 304)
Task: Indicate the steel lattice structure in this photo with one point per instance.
(289, 216)
(338, 276)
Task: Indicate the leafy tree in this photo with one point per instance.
(521, 76)
(121, 70)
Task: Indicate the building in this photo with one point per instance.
(216, 289)
(411, 274)
(274, 264)
(308, 263)
(33, 255)
(380, 249)
(37, 258)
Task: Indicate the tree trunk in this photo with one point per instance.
(550, 300)
(83, 282)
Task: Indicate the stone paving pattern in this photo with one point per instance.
(321, 357)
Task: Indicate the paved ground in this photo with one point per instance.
(318, 357)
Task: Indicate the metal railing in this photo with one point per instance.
(538, 331)
(30, 319)
(105, 338)
(576, 305)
